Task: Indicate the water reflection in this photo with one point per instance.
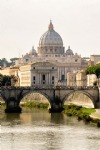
(40, 130)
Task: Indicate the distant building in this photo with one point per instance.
(38, 74)
(91, 79)
(81, 79)
(71, 79)
(94, 59)
(11, 71)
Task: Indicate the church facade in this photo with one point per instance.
(50, 64)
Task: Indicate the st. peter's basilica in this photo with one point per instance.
(51, 63)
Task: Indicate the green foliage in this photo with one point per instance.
(80, 112)
(32, 104)
(13, 60)
(1, 79)
(93, 70)
(4, 61)
(6, 80)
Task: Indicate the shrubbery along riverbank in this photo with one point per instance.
(31, 104)
(81, 113)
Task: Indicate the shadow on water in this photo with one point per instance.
(57, 118)
(10, 119)
(29, 116)
(13, 116)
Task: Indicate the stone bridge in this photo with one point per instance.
(56, 96)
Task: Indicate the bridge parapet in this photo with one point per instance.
(48, 88)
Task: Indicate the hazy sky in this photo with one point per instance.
(22, 22)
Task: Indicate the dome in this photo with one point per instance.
(32, 51)
(69, 51)
(51, 37)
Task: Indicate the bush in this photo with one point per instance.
(32, 104)
(81, 112)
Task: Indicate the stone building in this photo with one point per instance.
(81, 79)
(91, 79)
(38, 74)
(94, 59)
(50, 64)
(71, 79)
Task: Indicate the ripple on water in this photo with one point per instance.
(30, 133)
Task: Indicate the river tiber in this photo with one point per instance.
(50, 98)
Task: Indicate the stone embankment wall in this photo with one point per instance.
(35, 97)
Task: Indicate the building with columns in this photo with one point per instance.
(50, 64)
(38, 74)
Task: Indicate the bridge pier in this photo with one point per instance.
(12, 106)
(56, 105)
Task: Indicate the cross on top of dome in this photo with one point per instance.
(50, 27)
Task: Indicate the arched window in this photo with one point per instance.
(43, 77)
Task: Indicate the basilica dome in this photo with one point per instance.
(50, 42)
(50, 37)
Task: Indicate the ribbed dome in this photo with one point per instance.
(51, 37)
(69, 51)
(32, 51)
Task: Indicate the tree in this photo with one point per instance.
(3, 61)
(1, 79)
(5, 80)
(13, 60)
(93, 70)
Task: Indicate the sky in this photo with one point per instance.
(22, 23)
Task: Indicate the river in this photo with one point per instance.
(40, 130)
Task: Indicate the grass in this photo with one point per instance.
(81, 113)
(31, 104)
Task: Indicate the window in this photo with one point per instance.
(33, 67)
(52, 67)
(63, 77)
(33, 82)
(52, 77)
(26, 60)
(52, 82)
(33, 77)
(75, 60)
(43, 77)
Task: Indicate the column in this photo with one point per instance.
(49, 79)
(40, 79)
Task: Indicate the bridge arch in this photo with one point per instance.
(80, 92)
(35, 92)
